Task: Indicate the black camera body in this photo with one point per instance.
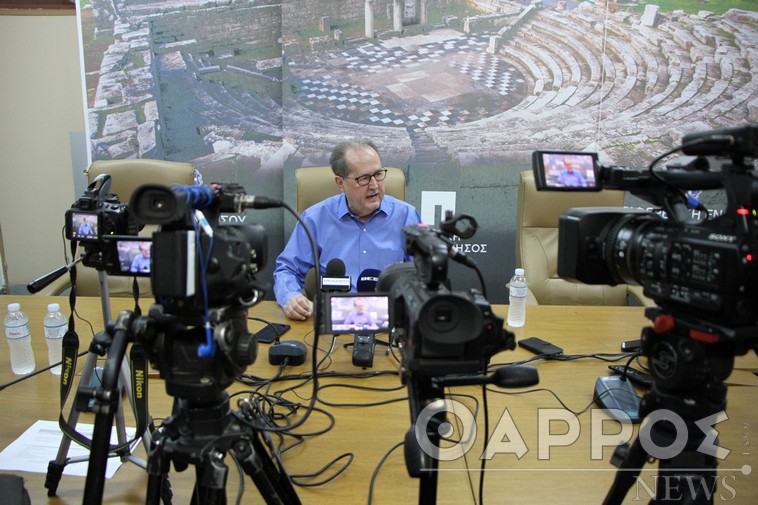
(439, 331)
(97, 220)
(699, 270)
(198, 262)
(203, 278)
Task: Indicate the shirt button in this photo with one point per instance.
(364, 252)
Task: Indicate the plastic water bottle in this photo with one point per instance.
(517, 299)
(19, 340)
(55, 325)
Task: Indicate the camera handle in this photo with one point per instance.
(107, 400)
(41, 282)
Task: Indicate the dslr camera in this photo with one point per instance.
(699, 270)
(439, 331)
(104, 226)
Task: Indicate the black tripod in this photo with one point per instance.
(689, 367)
(202, 428)
(200, 435)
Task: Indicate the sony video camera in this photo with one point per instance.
(695, 269)
(439, 331)
(104, 226)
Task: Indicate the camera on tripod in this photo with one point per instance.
(439, 331)
(104, 226)
(695, 269)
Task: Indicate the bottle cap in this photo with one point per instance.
(53, 307)
(13, 307)
(519, 271)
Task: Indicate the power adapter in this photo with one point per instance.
(291, 350)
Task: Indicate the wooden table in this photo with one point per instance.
(552, 470)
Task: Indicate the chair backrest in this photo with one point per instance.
(126, 176)
(314, 184)
(537, 244)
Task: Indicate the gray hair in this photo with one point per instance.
(337, 160)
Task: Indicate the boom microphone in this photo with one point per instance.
(367, 280)
(723, 141)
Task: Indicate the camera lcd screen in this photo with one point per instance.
(133, 255)
(565, 170)
(355, 313)
(84, 225)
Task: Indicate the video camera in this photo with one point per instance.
(699, 270)
(439, 331)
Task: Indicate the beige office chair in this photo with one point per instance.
(126, 176)
(314, 184)
(537, 247)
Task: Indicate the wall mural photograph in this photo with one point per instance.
(456, 93)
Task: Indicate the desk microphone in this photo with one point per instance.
(368, 280)
(334, 279)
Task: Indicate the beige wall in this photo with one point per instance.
(40, 106)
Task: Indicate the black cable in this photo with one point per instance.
(376, 471)
(485, 409)
(36, 372)
(294, 477)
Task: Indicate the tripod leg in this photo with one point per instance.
(158, 485)
(628, 470)
(55, 467)
(211, 481)
(273, 484)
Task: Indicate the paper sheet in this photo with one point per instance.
(32, 451)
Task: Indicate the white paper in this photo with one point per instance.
(32, 451)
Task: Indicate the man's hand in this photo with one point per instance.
(299, 308)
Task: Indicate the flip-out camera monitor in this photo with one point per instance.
(565, 170)
(357, 313)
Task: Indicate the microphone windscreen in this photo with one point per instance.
(335, 268)
(367, 280)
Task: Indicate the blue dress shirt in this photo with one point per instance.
(377, 243)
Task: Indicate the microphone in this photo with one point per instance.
(368, 280)
(334, 279)
(514, 376)
(737, 141)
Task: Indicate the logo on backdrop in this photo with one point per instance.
(434, 205)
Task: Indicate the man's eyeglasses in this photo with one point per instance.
(363, 180)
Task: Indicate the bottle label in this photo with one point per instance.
(14, 332)
(55, 331)
(518, 291)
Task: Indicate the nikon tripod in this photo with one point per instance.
(200, 432)
(123, 448)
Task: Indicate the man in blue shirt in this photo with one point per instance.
(141, 262)
(358, 317)
(360, 226)
(569, 176)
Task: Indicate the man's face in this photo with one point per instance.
(568, 165)
(362, 200)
